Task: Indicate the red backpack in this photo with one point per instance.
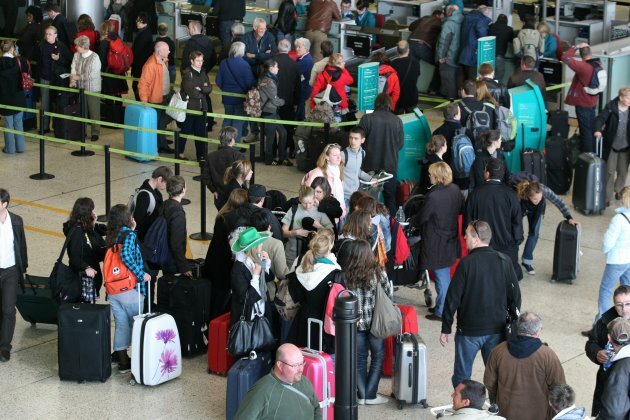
(119, 57)
(116, 276)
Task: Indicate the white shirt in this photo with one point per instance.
(7, 249)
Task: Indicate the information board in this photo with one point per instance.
(368, 86)
(486, 50)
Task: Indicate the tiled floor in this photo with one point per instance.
(29, 383)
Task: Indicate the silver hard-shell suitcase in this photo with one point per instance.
(409, 377)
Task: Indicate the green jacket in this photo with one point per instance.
(448, 44)
(270, 398)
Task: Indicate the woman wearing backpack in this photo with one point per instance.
(125, 305)
(196, 87)
(533, 197)
(86, 247)
(109, 85)
(270, 103)
(529, 41)
(489, 146)
(338, 77)
(362, 276)
(309, 285)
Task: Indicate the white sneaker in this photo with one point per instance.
(361, 401)
(378, 400)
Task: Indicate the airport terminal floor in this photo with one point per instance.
(29, 384)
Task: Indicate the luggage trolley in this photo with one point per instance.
(375, 189)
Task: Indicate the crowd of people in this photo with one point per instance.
(333, 232)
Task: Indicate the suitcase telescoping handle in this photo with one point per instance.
(599, 146)
(321, 335)
(140, 296)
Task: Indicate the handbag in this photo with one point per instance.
(386, 317)
(246, 336)
(27, 80)
(65, 283)
(177, 102)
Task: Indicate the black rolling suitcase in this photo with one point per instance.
(589, 183)
(559, 169)
(68, 129)
(35, 302)
(188, 301)
(566, 252)
(84, 342)
(533, 161)
(559, 121)
(113, 112)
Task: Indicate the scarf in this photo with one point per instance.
(258, 284)
(336, 185)
(272, 76)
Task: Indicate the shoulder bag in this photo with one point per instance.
(181, 105)
(386, 317)
(246, 336)
(65, 284)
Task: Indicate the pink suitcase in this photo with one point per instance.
(320, 370)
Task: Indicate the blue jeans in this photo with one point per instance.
(612, 274)
(586, 121)
(466, 349)
(442, 280)
(367, 381)
(238, 124)
(499, 68)
(532, 239)
(124, 307)
(13, 142)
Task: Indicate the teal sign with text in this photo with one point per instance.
(486, 50)
(368, 86)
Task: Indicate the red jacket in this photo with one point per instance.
(393, 84)
(583, 74)
(340, 78)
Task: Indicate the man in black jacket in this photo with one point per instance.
(13, 264)
(289, 87)
(496, 88)
(497, 204)
(148, 200)
(408, 70)
(505, 35)
(597, 347)
(218, 161)
(616, 396)
(471, 104)
(483, 288)
(175, 216)
(228, 12)
(65, 30)
(142, 49)
(384, 139)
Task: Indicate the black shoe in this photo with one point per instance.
(94, 138)
(170, 141)
(617, 196)
(5, 355)
(115, 357)
(166, 149)
(585, 333)
(433, 317)
(124, 364)
(432, 310)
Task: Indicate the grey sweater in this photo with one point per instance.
(269, 96)
(352, 171)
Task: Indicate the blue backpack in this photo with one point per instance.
(156, 242)
(463, 154)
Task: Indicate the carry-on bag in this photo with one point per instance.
(320, 370)
(532, 160)
(589, 182)
(566, 252)
(84, 344)
(559, 169)
(559, 121)
(242, 376)
(188, 301)
(409, 379)
(29, 119)
(219, 361)
(113, 112)
(409, 325)
(68, 129)
(137, 140)
(156, 355)
(35, 302)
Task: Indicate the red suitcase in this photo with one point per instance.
(320, 370)
(410, 325)
(219, 361)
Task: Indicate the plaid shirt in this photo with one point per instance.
(132, 257)
(366, 299)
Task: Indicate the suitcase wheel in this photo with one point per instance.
(424, 404)
(428, 298)
(132, 381)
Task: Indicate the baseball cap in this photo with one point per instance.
(257, 190)
(619, 330)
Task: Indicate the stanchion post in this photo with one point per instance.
(252, 159)
(108, 186)
(82, 114)
(176, 140)
(203, 235)
(204, 155)
(42, 175)
(345, 317)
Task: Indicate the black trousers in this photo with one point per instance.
(389, 195)
(9, 278)
(512, 252)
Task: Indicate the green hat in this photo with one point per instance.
(248, 239)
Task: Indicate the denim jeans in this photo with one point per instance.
(442, 280)
(238, 124)
(532, 239)
(466, 349)
(124, 307)
(499, 68)
(612, 274)
(270, 137)
(586, 121)
(13, 142)
(367, 380)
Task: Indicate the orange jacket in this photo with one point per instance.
(150, 84)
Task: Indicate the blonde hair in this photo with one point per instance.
(239, 168)
(305, 191)
(625, 197)
(335, 60)
(526, 189)
(237, 198)
(322, 163)
(543, 27)
(319, 247)
(624, 91)
(442, 173)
